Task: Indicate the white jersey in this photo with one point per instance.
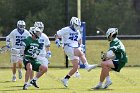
(44, 41)
(69, 36)
(16, 38)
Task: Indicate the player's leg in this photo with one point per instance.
(74, 59)
(77, 73)
(80, 54)
(43, 60)
(37, 66)
(106, 67)
(20, 68)
(71, 72)
(28, 72)
(14, 72)
(14, 62)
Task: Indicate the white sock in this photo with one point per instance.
(86, 64)
(26, 83)
(108, 78)
(35, 78)
(100, 83)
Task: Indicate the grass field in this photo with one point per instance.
(127, 81)
(93, 49)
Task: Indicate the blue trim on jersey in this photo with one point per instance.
(67, 44)
(72, 28)
(20, 31)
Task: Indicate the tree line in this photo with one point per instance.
(55, 14)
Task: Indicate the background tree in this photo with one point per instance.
(123, 14)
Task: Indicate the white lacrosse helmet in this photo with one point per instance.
(75, 22)
(21, 25)
(35, 31)
(39, 25)
(111, 32)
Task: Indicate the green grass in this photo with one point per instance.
(94, 47)
(127, 81)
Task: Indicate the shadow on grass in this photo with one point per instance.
(31, 88)
(99, 89)
(5, 81)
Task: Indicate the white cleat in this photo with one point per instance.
(77, 74)
(19, 74)
(65, 82)
(14, 78)
(107, 84)
(99, 86)
(90, 67)
(29, 85)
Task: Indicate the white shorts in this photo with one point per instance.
(43, 60)
(70, 52)
(16, 58)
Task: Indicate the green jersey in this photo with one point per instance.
(32, 47)
(118, 48)
(121, 59)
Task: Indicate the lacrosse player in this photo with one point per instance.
(32, 49)
(71, 39)
(45, 52)
(114, 59)
(13, 42)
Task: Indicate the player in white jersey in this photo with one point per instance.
(45, 53)
(71, 40)
(14, 42)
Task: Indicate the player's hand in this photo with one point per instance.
(82, 48)
(8, 46)
(103, 56)
(58, 43)
(49, 54)
(34, 55)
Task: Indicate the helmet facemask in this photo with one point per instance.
(40, 25)
(111, 33)
(75, 23)
(21, 25)
(76, 27)
(35, 31)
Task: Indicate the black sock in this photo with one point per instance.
(67, 77)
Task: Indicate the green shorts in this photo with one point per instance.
(118, 65)
(35, 64)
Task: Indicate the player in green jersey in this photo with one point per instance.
(31, 51)
(114, 59)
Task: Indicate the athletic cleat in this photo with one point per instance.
(107, 84)
(77, 74)
(14, 78)
(65, 82)
(90, 67)
(33, 82)
(19, 74)
(97, 87)
(25, 87)
(28, 85)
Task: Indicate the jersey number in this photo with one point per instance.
(19, 42)
(73, 37)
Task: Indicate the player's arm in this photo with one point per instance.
(48, 51)
(57, 37)
(24, 45)
(8, 40)
(47, 46)
(108, 55)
